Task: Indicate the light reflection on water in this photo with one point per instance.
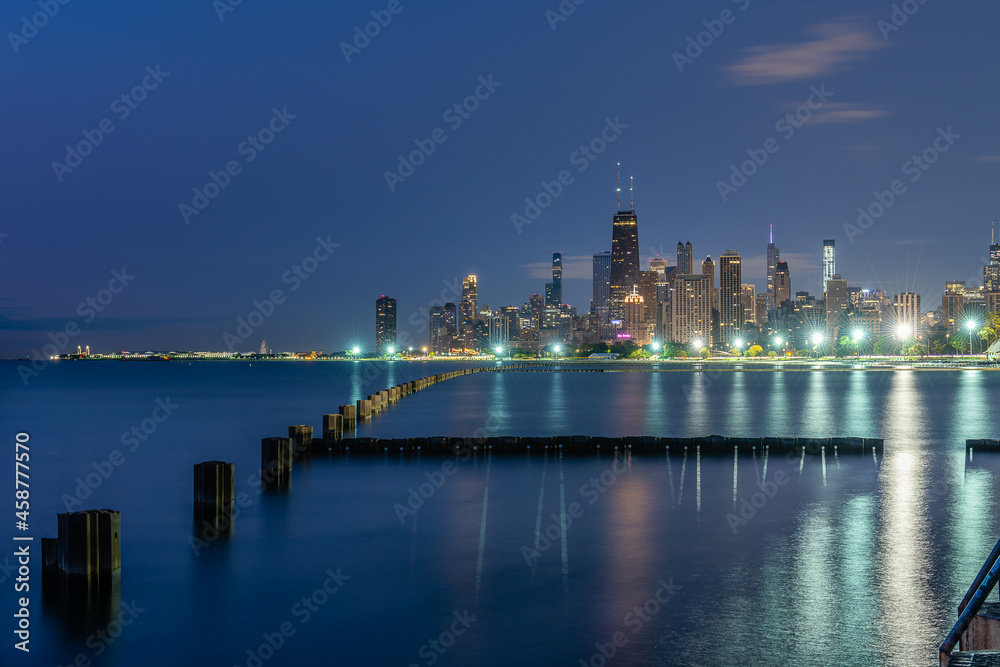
(862, 564)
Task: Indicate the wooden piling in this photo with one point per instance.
(333, 427)
(214, 495)
(275, 461)
(88, 552)
(364, 410)
(348, 413)
(302, 439)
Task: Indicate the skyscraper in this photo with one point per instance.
(634, 322)
(556, 279)
(829, 261)
(782, 285)
(907, 311)
(468, 311)
(602, 284)
(730, 301)
(708, 269)
(438, 328)
(773, 257)
(836, 303)
(624, 274)
(691, 310)
(991, 272)
(685, 258)
(385, 324)
(748, 297)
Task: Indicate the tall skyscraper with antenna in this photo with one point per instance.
(773, 257)
(624, 255)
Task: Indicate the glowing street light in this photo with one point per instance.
(656, 346)
(557, 349)
(698, 344)
(392, 350)
(498, 351)
(971, 326)
(817, 338)
(858, 336)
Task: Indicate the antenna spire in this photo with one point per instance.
(619, 186)
(631, 196)
(772, 234)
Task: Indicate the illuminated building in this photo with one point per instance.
(730, 301)
(385, 324)
(691, 309)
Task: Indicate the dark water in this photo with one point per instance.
(848, 561)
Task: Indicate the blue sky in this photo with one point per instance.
(202, 90)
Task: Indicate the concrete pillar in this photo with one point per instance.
(275, 461)
(348, 412)
(214, 493)
(333, 427)
(364, 410)
(302, 439)
(89, 551)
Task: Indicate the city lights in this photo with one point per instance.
(971, 326)
(903, 331)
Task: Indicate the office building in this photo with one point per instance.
(691, 310)
(730, 297)
(829, 261)
(748, 299)
(556, 280)
(602, 285)
(782, 285)
(836, 303)
(624, 273)
(685, 258)
(385, 324)
(773, 257)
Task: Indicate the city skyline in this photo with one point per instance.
(143, 201)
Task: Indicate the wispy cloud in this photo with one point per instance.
(574, 267)
(989, 158)
(835, 44)
(846, 112)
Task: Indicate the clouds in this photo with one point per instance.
(847, 112)
(835, 44)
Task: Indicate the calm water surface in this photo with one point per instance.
(849, 561)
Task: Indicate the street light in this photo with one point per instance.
(356, 351)
(817, 341)
(858, 336)
(904, 331)
(557, 349)
(499, 351)
(971, 326)
(391, 350)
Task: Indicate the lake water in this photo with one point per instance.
(845, 561)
